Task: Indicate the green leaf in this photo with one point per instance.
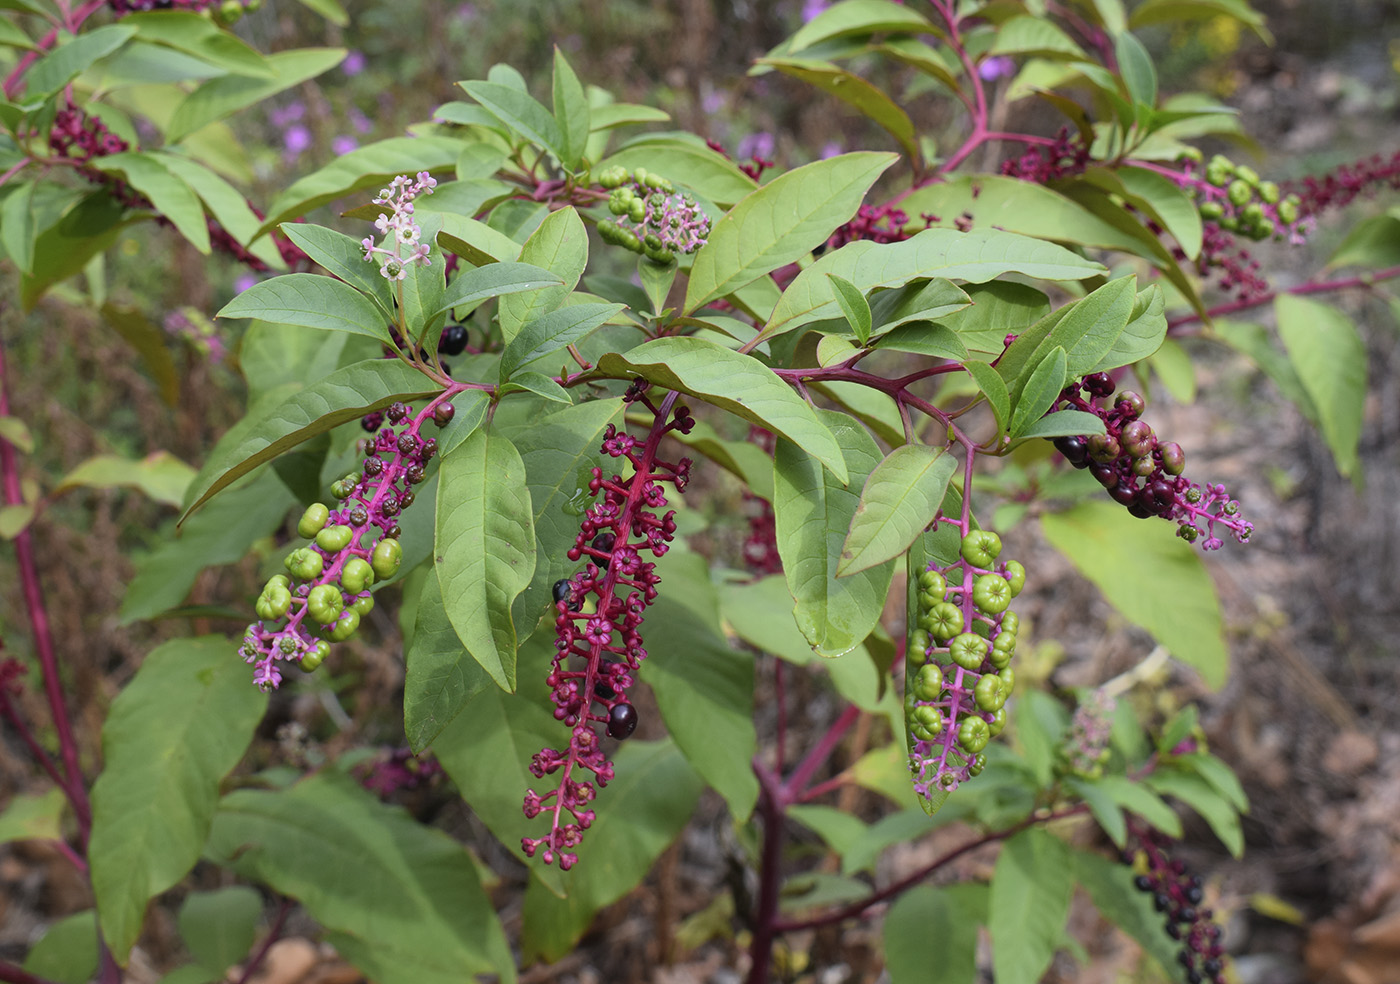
(1138, 798)
(477, 284)
(1041, 390)
(918, 301)
(68, 953)
(813, 511)
(310, 301)
(559, 245)
(1176, 370)
(14, 520)
(169, 195)
(219, 927)
(223, 96)
(187, 31)
(1253, 341)
(17, 229)
(993, 387)
(441, 679)
(552, 332)
(1028, 905)
(225, 204)
(1165, 200)
(1163, 11)
(160, 475)
(854, 306)
(639, 814)
(415, 912)
(737, 383)
(780, 223)
(708, 173)
(71, 57)
(485, 547)
(370, 166)
(1110, 885)
(930, 934)
(1108, 813)
(537, 383)
(1330, 360)
(1034, 35)
(1198, 794)
(519, 111)
(344, 395)
(330, 10)
(998, 309)
(33, 816)
(1142, 336)
(866, 98)
(65, 247)
(924, 338)
(609, 116)
(853, 18)
(1373, 242)
(704, 689)
(13, 430)
(979, 255)
(221, 534)
(181, 724)
(1135, 66)
(1063, 423)
(1086, 330)
(571, 113)
(1150, 575)
(933, 62)
(841, 831)
(902, 495)
(343, 257)
(12, 35)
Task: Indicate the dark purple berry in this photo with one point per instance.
(1194, 894)
(453, 340)
(407, 444)
(1212, 966)
(397, 411)
(1142, 883)
(1130, 405)
(622, 721)
(371, 421)
(1161, 901)
(443, 414)
(1105, 475)
(359, 516)
(406, 498)
(561, 589)
(429, 448)
(1098, 384)
(604, 691)
(1193, 977)
(390, 505)
(393, 532)
(604, 542)
(1173, 930)
(373, 466)
(1186, 915)
(1075, 450)
(1139, 511)
(415, 474)
(1124, 495)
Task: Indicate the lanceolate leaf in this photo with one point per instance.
(976, 256)
(553, 331)
(343, 257)
(485, 547)
(472, 286)
(559, 245)
(169, 195)
(160, 475)
(415, 912)
(519, 111)
(441, 677)
(868, 99)
(931, 934)
(310, 301)
(1142, 336)
(691, 165)
(571, 112)
(780, 223)
(172, 734)
(1086, 330)
(1150, 575)
(227, 94)
(1330, 360)
(1041, 390)
(900, 498)
(344, 395)
(1029, 904)
(813, 511)
(734, 382)
(857, 18)
(73, 56)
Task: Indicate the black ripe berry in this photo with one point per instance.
(622, 721)
(604, 691)
(1142, 883)
(561, 589)
(604, 542)
(1075, 450)
(443, 414)
(453, 340)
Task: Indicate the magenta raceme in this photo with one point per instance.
(613, 537)
(325, 591)
(1141, 472)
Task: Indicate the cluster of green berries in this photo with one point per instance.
(1177, 894)
(326, 590)
(652, 219)
(959, 676)
(1234, 198)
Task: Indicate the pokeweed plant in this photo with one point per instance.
(854, 341)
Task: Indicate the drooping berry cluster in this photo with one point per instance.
(399, 771)
(402, 245)
(959, 668)
(1342, 186)
(652, 219)
(614, 535)
(878, 224)
(1068, 155)
(1177, 894)
(78, 136)
(1085, 747)
(1140, 472)
(325, 591)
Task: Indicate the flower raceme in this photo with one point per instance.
(402, 244)
(325, 591)
(599, 612)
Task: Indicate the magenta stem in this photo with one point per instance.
(18, 975)
(273, 935)
(1311, 287)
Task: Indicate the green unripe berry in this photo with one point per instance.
(334, 539)
(929, 717)
(928, 685)
(998, 722)
(991, 594)
(1269, 192)
(362, 605)
(1239, 193)
(1008, 680)
(981, 547)
(919, 642)
(387, 557)
(1230, 224)
(348, 625)
(1265, 228)
(230, 11)
(637, 210)
(989, 693)
(356, 575)
(287, 645)
(943, 622)
(325, 603)
(927, 599)
(278, 579)
(1247, 174)
(1192, 154)
(1211, 211)
(1288, 210)
(968, 650)
(305, 564)
(978, 763)
(1015, 576)
(313, 520)
(315, 657)
(1253, 213)
(274, 602)
(933, 583)
(1011, 622)
(973, 734)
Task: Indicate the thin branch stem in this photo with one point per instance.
(1311, 287)
(273, 935)
(817, 757)
(12, 974)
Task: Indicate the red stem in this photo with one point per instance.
(18, 975)
(792, 789)
(1312, 287)
(771, 808)
(273, 934)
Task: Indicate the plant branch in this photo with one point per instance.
(765, 922)
(273, 935)
(12, 974)
(1365, 280)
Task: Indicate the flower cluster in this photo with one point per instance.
(652, 219)
(325, 591)
(1066, 156)
(878, 224)
(599, 613)
(397, 227)
(1341, 187)
(1085, 747)
(80, 137)
(1140, 472)
(1177, 894)
(399, 771)
(959, 666)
